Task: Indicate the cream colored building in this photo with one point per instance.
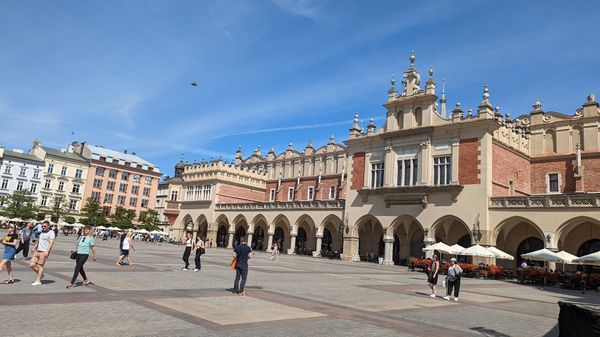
(63, 181)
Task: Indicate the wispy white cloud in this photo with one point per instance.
(305, 8)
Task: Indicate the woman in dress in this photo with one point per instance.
(189, 246)
(84, 244)
(127, 245)
(200, 249)
(10, 250)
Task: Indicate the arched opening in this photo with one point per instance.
(222, 236)
(400, 119)
(578, 233)
(418, 117)
(550, 141)
(332, 227)
(450, 230)
(301, 239)
(202, 228)
(305, 236)
(282, 228)
(576, 138)
(528, 245)
(408, 239)
(327, 242)
(240, 234)
(396, 249)
(589, 247)
(370, 239)
(279, 238)
(517, 236)
(259, 238)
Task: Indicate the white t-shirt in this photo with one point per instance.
(188, 242)
(45, 238)
(126, 243)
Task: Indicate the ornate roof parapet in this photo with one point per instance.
(309, 149)
(239, 155)
(537, 114)
(371, 127)
(590, 107)
(457, 113)
(485, 109)
(412, 78)
(217, 170)
(258, 153)
(271, 154)
(392, 93)
(430, 84)
(355, 130)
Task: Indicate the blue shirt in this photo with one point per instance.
(242, 251)
(84, 244)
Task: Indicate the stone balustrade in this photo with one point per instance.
(547, 201)
(287, 205)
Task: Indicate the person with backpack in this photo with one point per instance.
(453, 279)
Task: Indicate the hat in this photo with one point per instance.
(453, 259)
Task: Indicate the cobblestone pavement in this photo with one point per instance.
(298, 296)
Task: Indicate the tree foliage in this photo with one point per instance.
(70, 219)
(21, 204)
(58, 208)
(149, 219)
(92, 213)
(123, 218)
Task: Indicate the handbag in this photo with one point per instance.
(233, 263)
(73, 255)
(202, 251)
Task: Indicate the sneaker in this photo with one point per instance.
(196, 269)
(456, 299)
(184, 269)
(447, 298)
(36, 283)
(432, 295)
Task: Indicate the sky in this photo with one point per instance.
(118, 73)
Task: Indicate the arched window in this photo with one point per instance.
(418, 117)
(576, 138)
(400, 118)
(550, 141)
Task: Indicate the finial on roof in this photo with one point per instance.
(272, 150)
(457, 105)
(309, 144)
(239, 148)
(332, 139)
(486, 96)
(470, 112)
(430, 72)
(412, 57)
(537, 105)
(393, 88)
(290, 146)
(591, 98)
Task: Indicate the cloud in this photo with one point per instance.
(303, 8)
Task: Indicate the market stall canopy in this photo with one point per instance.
(500, 254)
(593, 258)
(440, 246)
(543, 255)
(567, 257)
(457, 248)
(477, 250)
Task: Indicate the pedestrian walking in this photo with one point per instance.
(10, 250)
(200, 249)
(25, 239)
(432, 277)
(43, 247)
(241, 253)
(127, 245)
(275, 252)
(453, 279)
(189, 246)
(85, 242)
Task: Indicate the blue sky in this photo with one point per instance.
(118, 73)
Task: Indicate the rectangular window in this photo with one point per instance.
(50, 168)
(100, 171)
(125, 176)
(97, 183)
(33, 188)
(148, 180)
(110, 185)
(272, 195)
(63, 171)
(146, 192)
(4, 184)
(73, 205)
(376, 175)
(144, 203)
(106, 210)
(408, 172)
(78, 173)
(311, 193)
(36, 174)
(23, 171)
(19, 185)
(291, 194)
(135, 189)
(442, 170)
(48, 183)
(206, 191)
(61, 185)
(123, 188)
(133, 202)
(553, 184)
(137, 178)
(75, 188)
(96, 196)
(121, 200)
(112, 173)
(7, 169)
(108, 198)
(44, 201)
(174, 196)
(332, 192)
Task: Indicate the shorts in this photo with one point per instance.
(125, 252)
(9, 253)
(432, 280)
(39, 258)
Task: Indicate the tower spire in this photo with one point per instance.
(443, 99)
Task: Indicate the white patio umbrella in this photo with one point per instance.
(15, 220)
(77, 224)
(593, 259)
(500, 254)
(114, 228)
(543, 255)
(457, 249)
(567, 257)
(477, 250)
(101, 227)
(440, 246)
(143, 231)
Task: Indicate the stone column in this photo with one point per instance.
(230, 241)
(249, 238)
(270, 243)
(292, 244)
(319, 243)
(388, 258)
(350, 249)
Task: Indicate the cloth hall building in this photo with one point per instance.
(428, 174)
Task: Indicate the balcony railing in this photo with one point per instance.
(172, 205)
(585, 200)
(315, 204)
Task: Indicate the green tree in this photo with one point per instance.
(149, 219)
(123, 218)
(70, 219)
(58, 208)
(92, 213)
(21, 204)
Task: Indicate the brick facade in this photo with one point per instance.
(510, 166)
(358, 171)
(468, 155)
(236, 195)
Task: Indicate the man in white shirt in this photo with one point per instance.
(42, 251)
